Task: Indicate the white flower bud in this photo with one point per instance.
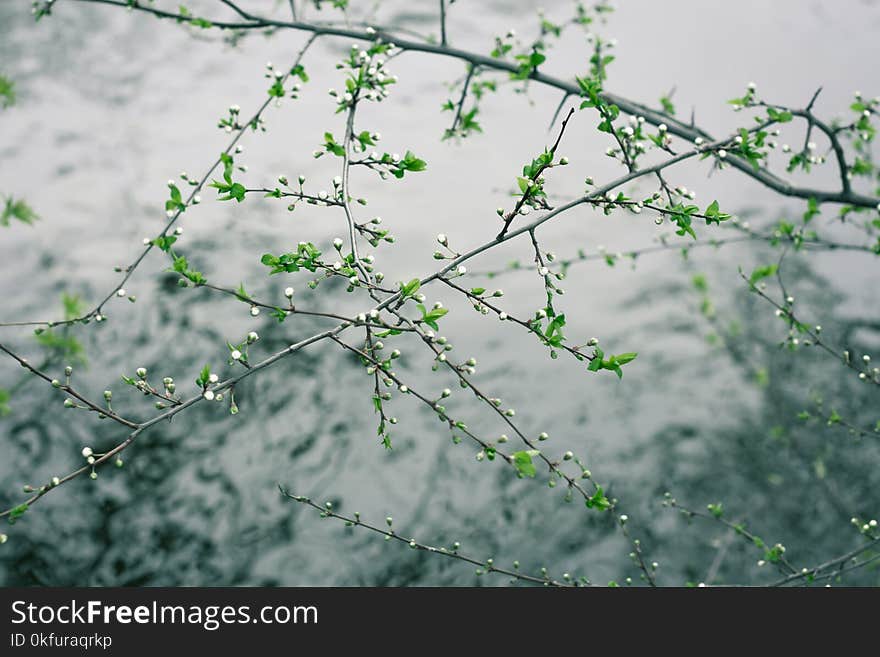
(87, 452)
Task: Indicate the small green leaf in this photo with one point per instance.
(762, 272)
(522, 461)
(409, 289)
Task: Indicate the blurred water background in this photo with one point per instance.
(112, 104)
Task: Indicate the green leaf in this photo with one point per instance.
(409, 289)
(165, 242)
(554, 328)
(596, 363)
(17, 512)
(430, 317)
(73, 305)
(300, 72)
(666, 104)
(522, 461)
(204, 376)
(762, 272)
(277, 90)
(7, 91)
(307, 256)
(623, 359)
(714, 215)
(18, 210)
(598, 500)
(783, 116)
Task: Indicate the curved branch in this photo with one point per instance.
(652, 116)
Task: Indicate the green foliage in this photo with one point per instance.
(4, 402)
(407, 290)
(523, 463)
(165, 242)
(181, 266)
(228, 189)
(17, 512)
(7, 92)
(527, 64)
(779, 116)
(430, 317)
(762, 272)
(612, 363)
(175, 203)
(666, 104)
(307, 256)
(204, 376)
(553, 333)
(61, 345)
(682, 216)
(299, 71)
(332, 146)
(73, 306)
(398, 168)
(18, 210)
(714, 215)
(598, 500)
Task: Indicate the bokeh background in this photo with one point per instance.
(112, 104)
